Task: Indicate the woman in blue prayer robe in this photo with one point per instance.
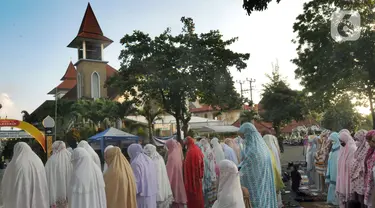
(332, 168)
(256, 169)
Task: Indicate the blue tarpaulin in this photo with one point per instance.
(112, 134)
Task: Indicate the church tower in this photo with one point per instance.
(91, 67)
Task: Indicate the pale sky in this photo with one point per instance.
(36, 35)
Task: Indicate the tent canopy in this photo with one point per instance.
(113, 133)
(195, 121)
(218, 129)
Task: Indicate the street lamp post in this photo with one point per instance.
(48, 124)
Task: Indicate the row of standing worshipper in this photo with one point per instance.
(259, 162)
(75, 180)
(136, 185)
(349, 167)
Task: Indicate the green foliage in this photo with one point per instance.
(280, 104)
(141, 132)
(341, 116)
(328, 68)
(175, 69)
(365, 122)
(248, 116)
(96, 110)
(150, 111)
(256, 5)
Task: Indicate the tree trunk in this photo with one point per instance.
(178, 126)
(371, 107)
(149, 132)
(279, 139)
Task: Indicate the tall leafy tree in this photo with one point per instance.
(328, 68)
(341, 115)
(256, 5)
(280, 104)
(176, 69)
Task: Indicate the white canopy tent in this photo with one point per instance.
(194, 123)
(218, 129)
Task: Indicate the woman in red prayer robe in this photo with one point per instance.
(193, 169)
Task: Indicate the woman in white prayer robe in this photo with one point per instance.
(87, 188)
(105, 164)
(230, 192)
(95, 157)
(59, 169)
(24, 184)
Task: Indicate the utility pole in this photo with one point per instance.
(241, 83)
(251, 81)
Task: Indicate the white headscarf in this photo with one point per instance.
(85, 145)
(59, 170)
(87, 188)
(218, 150)
(24, 183)
(164, 195)
(70, 150)
(229, 193)
(269, 139)
(210, 158)
(105, 164)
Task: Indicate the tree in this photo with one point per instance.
(280, 104)
(328, 68)
(150, 111)
(248, 116)
(366, 122)
(256, 5)
(97, 110)
(341, 115)
(174, 70)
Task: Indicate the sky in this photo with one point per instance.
(34, 36)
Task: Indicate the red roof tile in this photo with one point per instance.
(67, 84)
(90, 23)
(89, 29)
(110, 71)
(70, 73)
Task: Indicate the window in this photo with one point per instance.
(95, 85)
(93, 51)
(80, 53)
(79, 85)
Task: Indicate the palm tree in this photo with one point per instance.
(151, 113)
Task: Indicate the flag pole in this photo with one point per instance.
(56, 113)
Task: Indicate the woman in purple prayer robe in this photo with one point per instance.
(145, 177)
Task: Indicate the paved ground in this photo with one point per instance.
(295, 153)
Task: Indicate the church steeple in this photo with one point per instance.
(90, 40)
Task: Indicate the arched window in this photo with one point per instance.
(79, 85)
(95, 85)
